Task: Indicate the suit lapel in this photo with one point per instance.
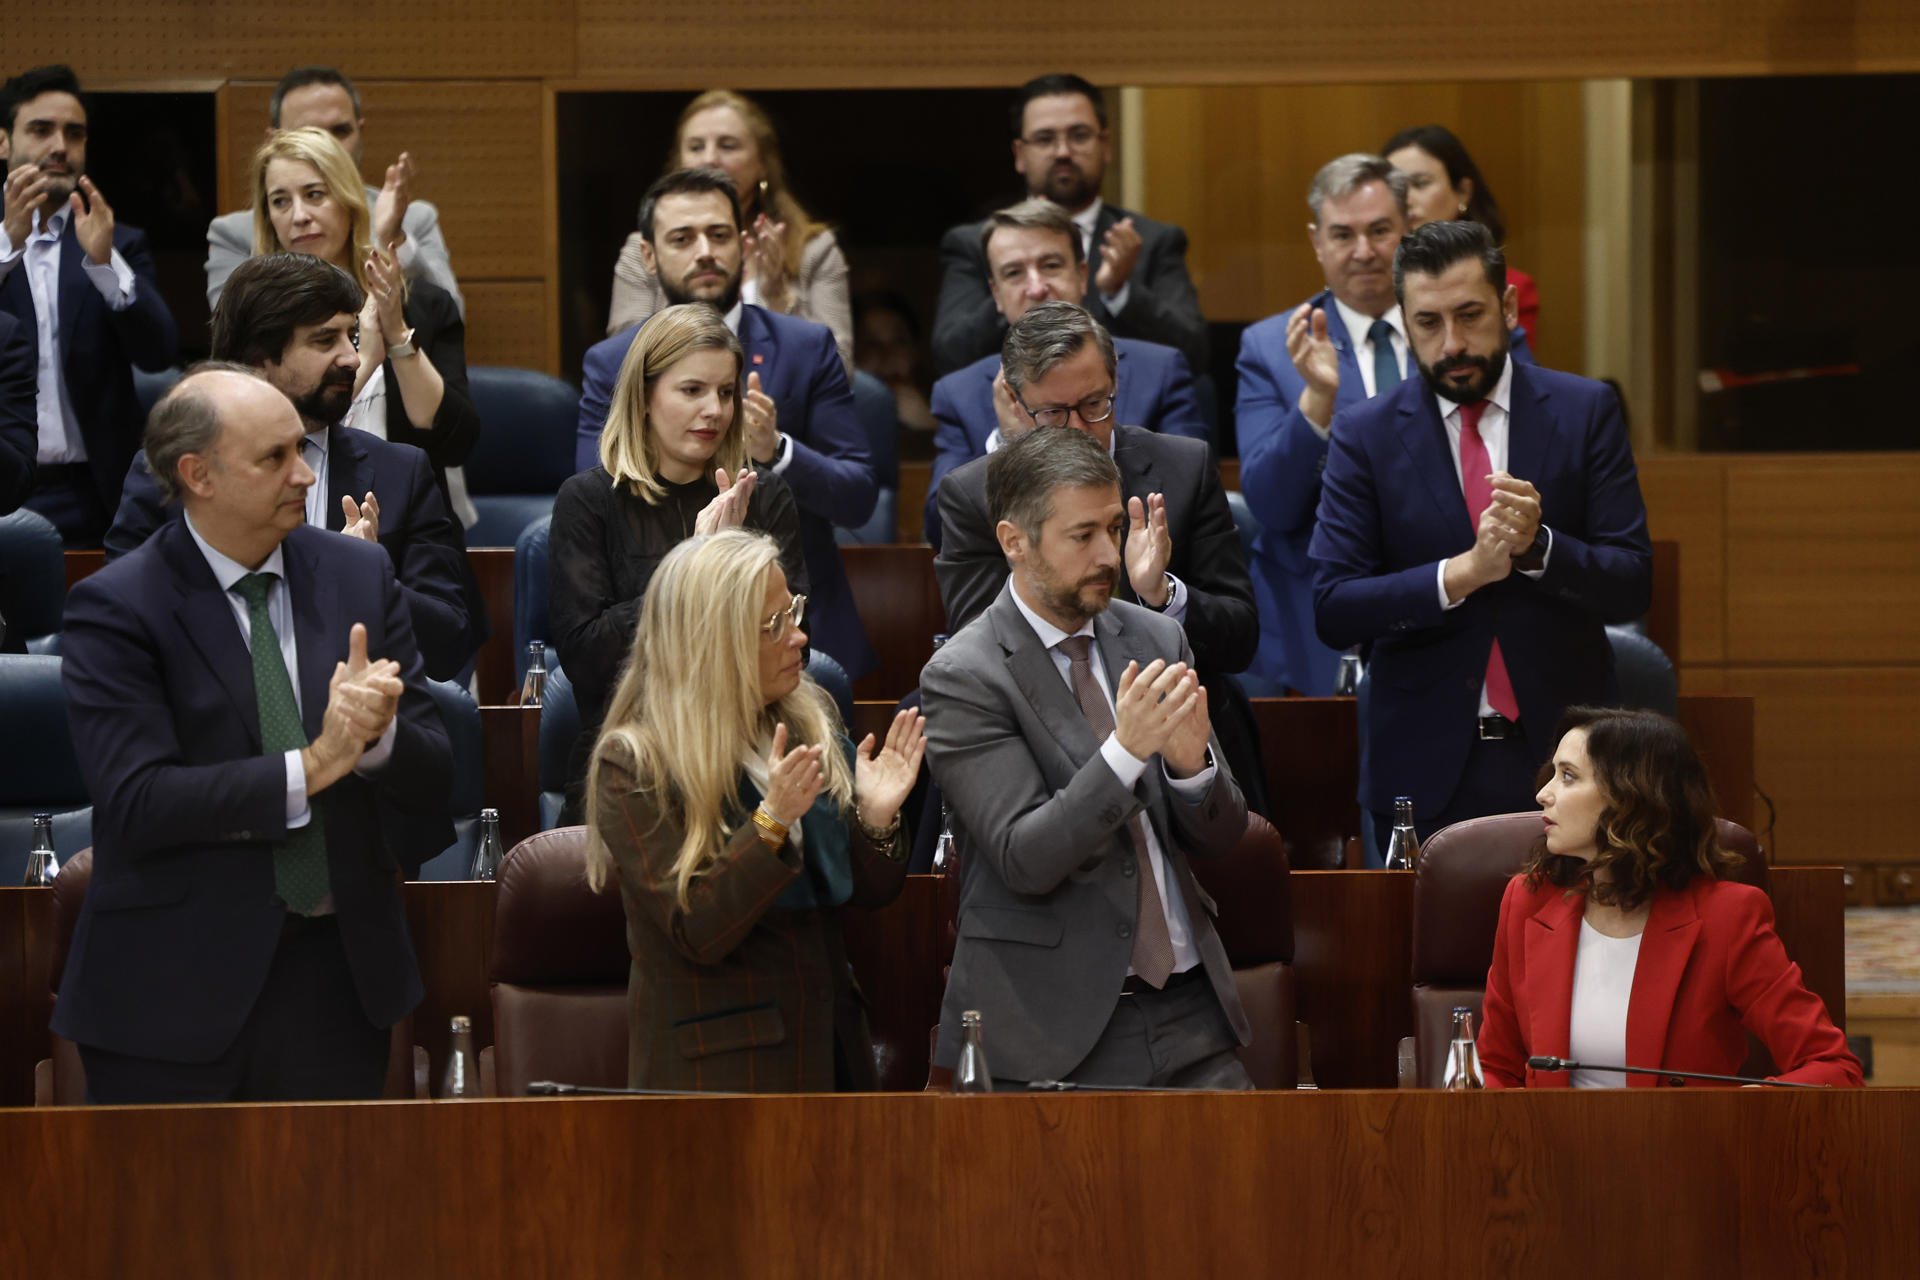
(345, 471)
(1343, 342)
(205, 614)
(1101, 225)
(313, 615)
(756, 340)
(1673, 926)
(72, 281)
(1039, 679)
(1530, 428)
(1424, 437)
(1552, 940)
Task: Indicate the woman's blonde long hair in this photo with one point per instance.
(627, 448)
(688, 706)
(315, 146)
(778, 201)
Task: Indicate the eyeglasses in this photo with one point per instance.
(1091, 410)
(775, 628)
(1079, 138)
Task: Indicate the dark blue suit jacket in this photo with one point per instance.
(422, 539)
(1153, 388)
(180, 923)
(830, 474)
(1281, 457)
(19, 423)
(1391, 508)
(99, 347)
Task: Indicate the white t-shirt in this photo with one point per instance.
(1602, 988)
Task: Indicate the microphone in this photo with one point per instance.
(1541, 1062)
(555, 1089)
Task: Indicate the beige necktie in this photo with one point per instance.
(1152, 945)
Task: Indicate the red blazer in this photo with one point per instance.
(1529, 303)
(1710, 964)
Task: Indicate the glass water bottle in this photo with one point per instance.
(42, 864)
(1347, 683)
(462, 1079)
(1403, 847)
(970, 1074)
(487, 854)
(534, 687)
(1463, 1056)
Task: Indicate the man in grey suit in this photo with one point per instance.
(1138, 285)
(1070, 737)
(324, 98)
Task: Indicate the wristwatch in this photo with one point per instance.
(402, 349)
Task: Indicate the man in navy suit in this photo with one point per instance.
(19, 432)
(1033, 256)
(1138, 285)
(1479, 525)
(86, 289)
(251, 716)
(1297, 370)
(801, 422)
(292, 317)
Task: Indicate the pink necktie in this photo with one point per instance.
(1475, 466)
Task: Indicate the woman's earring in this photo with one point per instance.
(763, 193)
(1463, 210)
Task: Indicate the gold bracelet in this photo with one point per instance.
(771, 829)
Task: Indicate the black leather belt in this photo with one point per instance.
(1494, 728)
(72, 473)
(1136, 985)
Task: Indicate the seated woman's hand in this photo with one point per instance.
(794, 779)
(882, 779)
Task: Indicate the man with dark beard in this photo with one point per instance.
(1479, 526)
(1069, 735)
(797, 404)
(294, 318)
(1137, 281)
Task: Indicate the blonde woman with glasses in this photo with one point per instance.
(737, 819)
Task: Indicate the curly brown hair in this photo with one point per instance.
(1656, 829)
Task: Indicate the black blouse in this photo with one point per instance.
(603, 549)
(441, 336)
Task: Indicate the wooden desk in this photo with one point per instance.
(1694, 1183)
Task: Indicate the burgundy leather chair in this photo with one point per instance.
(61, 1080)
(1255, 919)
(1462, 875)
(559, 971)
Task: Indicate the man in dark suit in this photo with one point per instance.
(292, 317)
(1033, 256)
(1140, 287)
(1479, 525)
(86, 289)
(19, 432)
(1183, 554)
(251, 765)
(1070, 737)
(1296, 371)
(801, 422)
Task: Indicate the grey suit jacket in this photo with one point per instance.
(424, 255)
(1048, 898)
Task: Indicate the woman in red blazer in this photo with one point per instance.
(1620, 944)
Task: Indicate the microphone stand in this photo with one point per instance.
(1543, 1063)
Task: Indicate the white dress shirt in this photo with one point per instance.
(227, 571)
(1602, 989)
(60, 440)
(1127, 768)
(1494, 421)
(313, 450)
(1358, 328)
(1088, 221)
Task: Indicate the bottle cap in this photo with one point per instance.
(486, 814)
(462, 1023)
(43, 817)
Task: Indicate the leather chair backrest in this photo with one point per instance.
(880, 419)
(33, 590)
(461, 716)
(149, 387)
(559, 727)
(1244, 521)
(528, 423)
(1267, 994)
(1255, 895)
(1461, 878)
(37, 762)
(559, 970)
(1646, 673)
(530, 594)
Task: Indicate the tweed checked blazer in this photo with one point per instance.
(730, 993)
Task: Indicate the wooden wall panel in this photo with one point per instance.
(776, 44)
(1823, 560)
(476, 150)
(507, 322)
(1232, 166)
(1686, 503)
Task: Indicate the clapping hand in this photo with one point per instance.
(363, 518)
(26, 188)
(763, 422)
(92, 222)
(794, 779)
(1149, 549)
(881, 781)
(729, 507)
(390, 207)
(1185, 750)
(1150, 703)
(766, 262)
(1316, 360)
(1519, 506)
(385, 292)
(362, 697)
(1012, 419)
(1119, 254)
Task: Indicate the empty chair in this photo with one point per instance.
(874, 405)
(1645, 672)
(1252, 889)
(461, 716)
(33, 577)
(559, 727)
(559, 974)
(530, 595)
(38, 771)
(149, 387)
(528, 423)
(1463, 872)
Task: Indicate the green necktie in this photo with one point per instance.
(300, 860)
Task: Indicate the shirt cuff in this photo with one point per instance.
(375, 757)
(1440, 581)
(298, 812)
(1325, 433)
(113, 278)
(1125, 765)
(1192, 790)
(1118, 302)
(782, 455)
(1545, 556)
(1176, 600)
